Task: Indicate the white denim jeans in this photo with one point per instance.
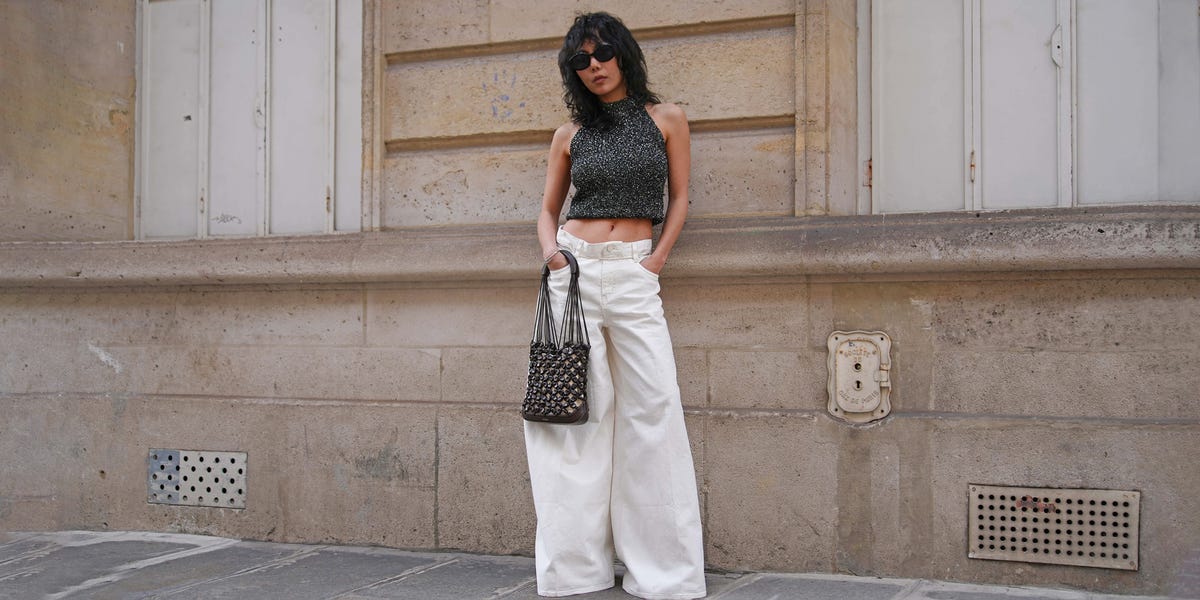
(623, 482)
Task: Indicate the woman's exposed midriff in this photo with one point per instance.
(609, 230)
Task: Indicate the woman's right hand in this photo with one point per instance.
(557, 261)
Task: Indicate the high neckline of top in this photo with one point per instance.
(625, 104)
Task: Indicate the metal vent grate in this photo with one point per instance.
(197, 478)
(1090, 528)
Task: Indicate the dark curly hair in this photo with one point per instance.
(601, 28)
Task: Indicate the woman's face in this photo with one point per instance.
(604, 79)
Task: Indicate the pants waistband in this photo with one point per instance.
(604, 250)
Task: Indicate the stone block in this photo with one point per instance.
(1141, 385)
(480, 185)
(771, 492)
(419, 25)
(454, 317)
(697, 428)
(764, 380)
(31, 318)
(742, 173)
(904, 311)
(521, 92)
(484, 499)
(694, 72)
(319, 317)
(487, 94)
(360, 474)
(733, 173)
(511, 19)
(54, 439)
(65, 173)
(739, 316)
(691, 370)
(255, 371)
(1070, 455)
(1070, 315)
(496, 374)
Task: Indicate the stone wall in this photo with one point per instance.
(469, 109)
(373, 378)
(66, 108)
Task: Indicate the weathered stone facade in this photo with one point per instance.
(373, 378)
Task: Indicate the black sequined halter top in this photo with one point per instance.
(619, 172)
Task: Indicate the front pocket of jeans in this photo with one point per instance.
(643, 269)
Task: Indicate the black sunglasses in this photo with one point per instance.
(582, 60)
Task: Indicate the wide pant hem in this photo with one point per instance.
(676, 596)
(572, 592)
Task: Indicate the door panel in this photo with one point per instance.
(171, 113)
(237, 127)
(300, 148)
(1018, 145)
(918, 92)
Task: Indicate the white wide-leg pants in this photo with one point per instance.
(623, 482)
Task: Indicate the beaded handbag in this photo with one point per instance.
(556, 390)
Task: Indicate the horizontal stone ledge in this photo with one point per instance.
(541, 137)
(746, 247)
(644, 34)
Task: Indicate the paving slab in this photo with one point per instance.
(143, 565)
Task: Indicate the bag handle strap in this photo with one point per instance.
(574, 328)
(570, 260)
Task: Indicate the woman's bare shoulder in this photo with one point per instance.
(563, 135)
(668, 112)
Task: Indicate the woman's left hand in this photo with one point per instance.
(653, 264)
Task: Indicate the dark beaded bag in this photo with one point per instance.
(556, 390)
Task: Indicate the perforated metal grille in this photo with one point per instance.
(197, 478)
(1090, 528)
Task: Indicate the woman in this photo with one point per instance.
(623, 482)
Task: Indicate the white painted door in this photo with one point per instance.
(919, 98)
(1139, 101)
(966, 104)
(250, 117)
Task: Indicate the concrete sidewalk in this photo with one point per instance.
(125, 565)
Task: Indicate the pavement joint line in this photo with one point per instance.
(501, 593)
(17, 537)
(741, 582)
(1007, 590)
(261, 567)
(909, 590)
(39, 552)
(417, 570)
(121, 571)
(19, 574)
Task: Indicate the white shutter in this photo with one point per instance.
(1139, 101)
(1179, 101)
(237, 141)
(242, 104)
(1118, 101)
(1017, 148)
(301, 113)
(170, 119)
(917, 105)
(349, 144)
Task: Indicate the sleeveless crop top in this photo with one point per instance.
(619, 173)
